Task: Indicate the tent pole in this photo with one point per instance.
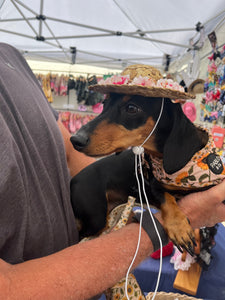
(41, 57)
(220, 22)
(16, 20)
(17, 33)
(94, 54)
(60, 46)
(40, 20)
(161, 31)
(122, 34)
(81, 25)
(214, 17)
(80, 36)
(25, 6)
(125, 14)
(25, 19)
(157, 41)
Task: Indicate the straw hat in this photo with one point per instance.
(189, 110)
(170, 296)
(196, 87)
(141, 80)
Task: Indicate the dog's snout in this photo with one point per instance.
(79, 141)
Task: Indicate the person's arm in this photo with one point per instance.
(205, 208)
(76, 161)
(84, 270)
(78, 272)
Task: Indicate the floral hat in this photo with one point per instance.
(141, 80)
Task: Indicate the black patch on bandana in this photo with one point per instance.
(215, 164)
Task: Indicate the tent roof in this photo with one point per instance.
(107, 33)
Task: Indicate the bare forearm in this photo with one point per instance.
(81, 271)
(205, 208)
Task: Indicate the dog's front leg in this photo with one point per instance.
(176, 224)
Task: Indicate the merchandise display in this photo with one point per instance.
(212, 108)
(55, 85)
(73, 121)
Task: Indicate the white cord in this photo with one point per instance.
(156, 229)
(140, 224)
(138, 151)
(156, 123)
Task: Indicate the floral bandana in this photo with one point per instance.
(204, 169)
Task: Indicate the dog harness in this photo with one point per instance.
(205, 168)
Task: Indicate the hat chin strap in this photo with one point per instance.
(140, 149)
(138, 153)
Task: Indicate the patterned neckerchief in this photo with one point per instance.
(204, 169)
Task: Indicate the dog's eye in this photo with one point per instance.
(132, 109)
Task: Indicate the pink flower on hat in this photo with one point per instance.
(144, 81)
(116, 79)
(121, 80)
(170, 84)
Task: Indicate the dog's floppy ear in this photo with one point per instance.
(181, 144)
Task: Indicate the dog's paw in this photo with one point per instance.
(181, 233)
(177, 225)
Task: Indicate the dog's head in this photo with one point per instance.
(126, 121)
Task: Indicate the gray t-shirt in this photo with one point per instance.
(36, 217)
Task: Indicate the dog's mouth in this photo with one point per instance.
(100, 154)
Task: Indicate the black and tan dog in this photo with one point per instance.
(126, 121)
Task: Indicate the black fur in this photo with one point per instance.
(89, 188)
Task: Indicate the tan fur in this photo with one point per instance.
(110, 137)
(175, 222)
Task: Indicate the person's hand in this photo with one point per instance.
(205, 208)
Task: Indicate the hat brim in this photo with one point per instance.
(196, 87)
(141, 90)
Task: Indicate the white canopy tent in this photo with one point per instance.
(109, 33)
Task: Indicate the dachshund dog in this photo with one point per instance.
(126, 121)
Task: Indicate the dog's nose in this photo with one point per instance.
(79, 141)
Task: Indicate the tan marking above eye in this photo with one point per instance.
(126, 98)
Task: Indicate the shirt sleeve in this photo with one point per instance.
(55, 112)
